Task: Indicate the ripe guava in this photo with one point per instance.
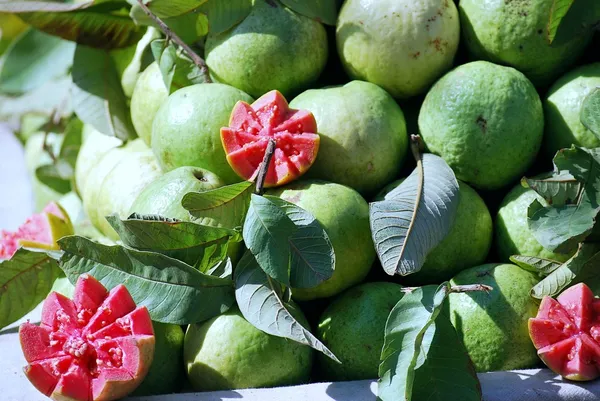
(273, 48)
(513, 33)
(96, 347)
(352, 327)
(566, 333)
(466, 245)
(493, 325)
(227, 353)
(251, 127)
(562, 109)
(512, 234)
(344, 215)
(486, 121)
(36, 156)
(401, 45)
(149, 94)
(363, 135)
(187, 128)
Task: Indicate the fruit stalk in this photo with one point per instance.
(264, 166)
(459, 288)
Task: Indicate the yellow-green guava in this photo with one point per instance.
(187, 128)
(514, 33)
(562, 109)
(486, 121)
(363, 135)
(353, 327)
(493, 325)
(401, 45)
(272, 48)
(149, 94)
(344, 215)
(227, 353)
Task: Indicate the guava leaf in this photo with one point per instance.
(590, 112)
(558, 11)
(325, 11)
(190, 27)
(221, 207)
(25, 280)
(223, 15)
(312, 255)
(415, 217)
(203, 247)
(570, 20)
(97, 94)
(557, 189)
(34, 59)
(260, 301)
(173, 292)
(177, 69)
(73, 137)
(535, 265)
(169, 8)
(56, 176)
(223, 269)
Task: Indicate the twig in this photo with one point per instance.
(173, 36)
(49, 126)
(263, 168)
(470, 288)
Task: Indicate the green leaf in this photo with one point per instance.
(590, 112)
(173, 291)
(312, 255)
(223, 15)
(259, 299)
(73, 137)
(34, 59)
(25, 280)
(221, 207)
(267, 232)
(177, 69)
(56, 176)
(558, 11)
(190, 27)
(557, 189)
(574, 23)
(97, 93)
(169, 8)
(415, 217)
(535, 264)
(324, 11)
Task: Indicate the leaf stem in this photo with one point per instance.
(200, 63)
(263, 168)
(415, 146)
(470, 288)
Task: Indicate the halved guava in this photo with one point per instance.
(96, 347)
(252, 126)
(566, 333)
(41, 230)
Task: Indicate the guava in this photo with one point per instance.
(402, 46)
(363, 135)
(466, 245)
(566, 333)
(272, 48)
(514, 33)
(562, 109)
(512, 234)
(40, 230)
(149, 94)
(96, 347)
(344, 215)
(250, 129)
(187, 128)
(493, 325)
(227, 353)
(486, 121)
(353, 327)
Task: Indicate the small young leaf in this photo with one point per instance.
(535, 264)
(259, 299)
(223, 15)
(324, 11)
(73, 137)
(177, 69)
(56, 176)
(590, 112)
(558, 11)
(173, 291)
(557, 189)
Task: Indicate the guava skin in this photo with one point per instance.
(493, 325)
(353, 328)
(562, 109)
(344, 215)
(363, 135)
(227, 353)
(513, 33)
(486, 121)
(417, 39)
(148, 95)
(187, 128)
(273, 48)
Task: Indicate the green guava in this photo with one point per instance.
(486, 121)
(36, 156)
(512, 234)
(344, 215)
(493, 325)
(467, 244)
(187, 128)
(562, 109)
(363, 135)
(353, 327)
(149, 94)
(273, 48)
(402, 46)
(227, 353)
(513, 33)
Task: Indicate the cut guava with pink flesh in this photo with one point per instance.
(566, 333)
(252, 126)
(96, 347)
(40, 230)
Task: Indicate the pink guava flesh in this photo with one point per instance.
(96, 347)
